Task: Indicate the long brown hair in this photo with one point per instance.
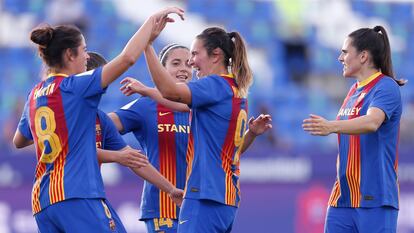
(235, 55)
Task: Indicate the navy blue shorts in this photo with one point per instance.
(79, 215)
(361, 220)
(205, 216)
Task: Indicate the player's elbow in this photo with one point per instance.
(373, 126)
(18, 143)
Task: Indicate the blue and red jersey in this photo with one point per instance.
(367, 164)
(107, 136)
(218, 124)
(163, 136)
(60, 115)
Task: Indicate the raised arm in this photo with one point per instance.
(137, 44)
(178, 92)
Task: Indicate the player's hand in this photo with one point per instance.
(131, 86)
(161, 19)
(317, 125)
(260, 125)
(177, 196)
(132, 158)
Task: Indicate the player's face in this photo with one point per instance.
(82, 58)
(177, 64)
(199, 60)
(350, 59)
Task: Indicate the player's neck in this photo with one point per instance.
(59, 71)
(365, 74)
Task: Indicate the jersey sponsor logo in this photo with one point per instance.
(349, 111)
(164, 113)
(173, 128)
(361, 97)
(49, 89)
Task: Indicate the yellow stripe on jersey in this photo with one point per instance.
(56, 190)
(353, 173)
(167, 169)
(40, 172)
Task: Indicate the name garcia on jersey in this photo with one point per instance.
(173, 128)
(49, 89)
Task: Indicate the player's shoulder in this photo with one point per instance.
(388, 83)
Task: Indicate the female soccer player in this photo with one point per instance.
(218, 102)
(59, 116)
(365, 195)
(163, 135)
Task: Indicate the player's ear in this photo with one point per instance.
(364, 56)
(216, 54)
(69, 55)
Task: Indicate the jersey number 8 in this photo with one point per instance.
(47, 134)
(239, 133)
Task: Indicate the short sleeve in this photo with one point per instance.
(86, 85)
(131, 115)
(24, 126)
(387, 97)
(112, 140)
(208, 91)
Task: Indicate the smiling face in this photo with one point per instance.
(81, 59)
(177, 64)
(351, 59)
(200, 61)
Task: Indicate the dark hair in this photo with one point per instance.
(235, 55)
(95, 60)
(165, 52)
(376, 42)
(53, 41)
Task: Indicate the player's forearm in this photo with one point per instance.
(154, 94)
(106, 156)
(129, 54)
(249, 137)
(162, 79)
(150, 174)
(359, 125)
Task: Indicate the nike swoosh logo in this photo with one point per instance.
(184, 221)
(164, 113)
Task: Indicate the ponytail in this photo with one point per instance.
(235, 55)
(240, 65)
(376, 42)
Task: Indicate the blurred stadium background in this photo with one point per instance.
(293, 48)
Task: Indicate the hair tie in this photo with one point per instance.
(377, 29)
(231, 35)
(173, 46)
